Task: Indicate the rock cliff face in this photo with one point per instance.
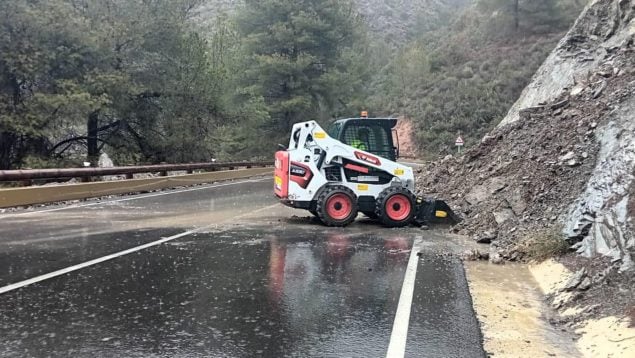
(405, 136)
(602, 26)
(565, 154)
(585, 60)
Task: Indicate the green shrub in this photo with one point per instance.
(544, 244)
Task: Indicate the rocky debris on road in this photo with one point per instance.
(596, 287)
(562, 160)
(523, 177)
(474, 255)
(575, 280)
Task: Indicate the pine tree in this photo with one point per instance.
(292, 49)
(127, 75)
(528, 16)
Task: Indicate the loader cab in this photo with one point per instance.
(373, 135)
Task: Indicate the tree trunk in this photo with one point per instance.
(92, 143)
(7, 141)
(9, 145)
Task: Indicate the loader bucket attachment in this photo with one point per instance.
(432, 211)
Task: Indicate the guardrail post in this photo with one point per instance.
(163, 174)
(129, 176)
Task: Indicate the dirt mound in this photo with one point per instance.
(561, 165)
(405, 132)
(524, 176)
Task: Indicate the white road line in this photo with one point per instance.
(134, 197)
(397, 346)
(63, 271)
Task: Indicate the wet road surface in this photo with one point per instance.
(254, 280)
(33, 243)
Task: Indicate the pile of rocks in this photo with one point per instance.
(524, 176)
(561, 165)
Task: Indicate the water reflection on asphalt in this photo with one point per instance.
(218, 294)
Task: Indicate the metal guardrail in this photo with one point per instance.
(12, 197)
(27, 175)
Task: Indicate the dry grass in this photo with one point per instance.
(544, 244)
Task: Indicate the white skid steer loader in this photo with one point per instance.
(352, 168)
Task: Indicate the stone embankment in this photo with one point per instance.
(561, 164)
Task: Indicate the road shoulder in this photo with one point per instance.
(510, 308)
(597, 335)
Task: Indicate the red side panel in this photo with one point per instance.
(367, 158)
(301, 174)
(357, 168)
(281, 174)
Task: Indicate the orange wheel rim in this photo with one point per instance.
(398, 207)
(339, 206)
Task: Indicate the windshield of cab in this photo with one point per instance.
(369, 137)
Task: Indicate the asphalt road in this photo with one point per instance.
(224, 271)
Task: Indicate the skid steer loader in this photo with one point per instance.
(352, 168)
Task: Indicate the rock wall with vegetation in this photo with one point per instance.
(587, 60)
(397, 22)
(563, 160)
(463, 74)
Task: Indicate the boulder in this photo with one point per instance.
(575, 280)
(504, 215)
(482, 192)
(585, 284)
(496, 259)
(486, 237)
(567, 157)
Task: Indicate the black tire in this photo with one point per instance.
(400, 197)
(327, 205)
(370, 214)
